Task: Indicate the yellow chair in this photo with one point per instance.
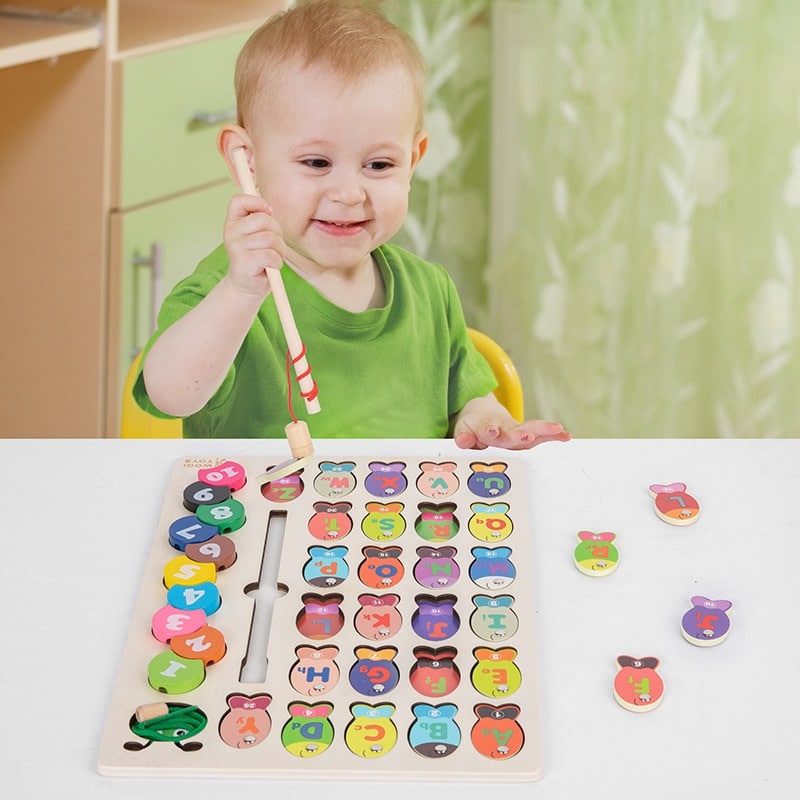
(509, 388)
(138, 424)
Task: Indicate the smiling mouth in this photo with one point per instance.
(332, 226)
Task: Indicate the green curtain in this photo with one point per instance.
(449, 210)
(617, 196)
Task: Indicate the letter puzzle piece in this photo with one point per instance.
(371, 733)
(246, 723)
(637, 685)
(596, 554)
(706, 624)
(673, 504)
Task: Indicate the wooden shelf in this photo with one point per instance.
(61, 84)
(147, 26)
(25, 39)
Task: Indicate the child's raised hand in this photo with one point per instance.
(254, 243)
(484, 422)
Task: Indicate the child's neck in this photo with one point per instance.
(352, 291)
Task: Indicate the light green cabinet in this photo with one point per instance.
(173, 103)
(112, 119)
(155, 246)
(172, 188)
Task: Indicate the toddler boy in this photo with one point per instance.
(330, 99)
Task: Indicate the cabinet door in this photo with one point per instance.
(152, 248)
(172, 105)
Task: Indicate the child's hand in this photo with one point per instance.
(484, 422)
(254, 243)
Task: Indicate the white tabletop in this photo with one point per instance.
(72, 511)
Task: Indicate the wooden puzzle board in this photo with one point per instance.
(467, 711)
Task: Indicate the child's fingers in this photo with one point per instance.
(478, 434)
(533, 433)
(252, 235)
(241, 205)
(467, 440)
(469, 436)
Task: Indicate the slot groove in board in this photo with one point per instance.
(255, 665)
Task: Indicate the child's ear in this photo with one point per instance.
(418, 148)
(229, 139)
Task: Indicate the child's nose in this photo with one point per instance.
(346, 188)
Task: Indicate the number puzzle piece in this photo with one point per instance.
(596, 555)
(189, 530)
(206, 643)
(219, 550)
(201, 494)
(197, 597)
(673, 504)
(229, 473)
(182, 570)
(371, 732)
(637, 685)
(174, 674)
(226, 517)
(169, 621)
(706, 623)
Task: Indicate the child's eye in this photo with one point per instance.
(317, 163)
(379, 166)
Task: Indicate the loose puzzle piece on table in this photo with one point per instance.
(637, 685)
(596, 554)
(706, 624)
(673, 504)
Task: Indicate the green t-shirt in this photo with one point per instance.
(401, 371)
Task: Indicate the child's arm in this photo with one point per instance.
(189, 361)
(484, 422)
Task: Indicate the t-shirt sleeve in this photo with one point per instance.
(470, 373)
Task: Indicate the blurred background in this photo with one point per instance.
(613, 184)
(615, 187)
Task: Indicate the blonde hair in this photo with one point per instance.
(350, 37)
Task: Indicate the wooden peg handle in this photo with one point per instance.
(296, 350)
